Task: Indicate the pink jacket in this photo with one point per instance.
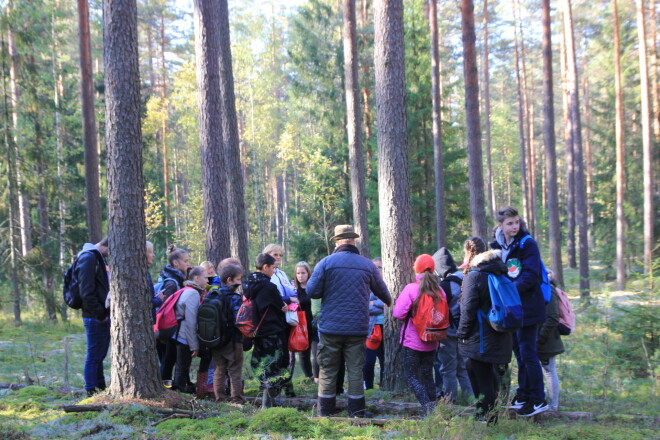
(401, 307)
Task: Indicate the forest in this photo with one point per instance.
(221, 126)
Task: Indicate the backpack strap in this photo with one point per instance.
(524, 239)
(480, 317)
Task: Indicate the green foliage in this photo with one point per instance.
(281, 420)
(186, 429)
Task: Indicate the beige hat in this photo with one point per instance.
(344, 231)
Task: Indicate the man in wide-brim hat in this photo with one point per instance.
(344, 280)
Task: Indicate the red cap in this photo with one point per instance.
(423, 263)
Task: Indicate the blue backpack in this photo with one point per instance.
(545, 282)
(506, 312)
(160, 284)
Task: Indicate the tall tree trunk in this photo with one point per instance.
(366, 92)
(588, 159)
(134, 364)
(524, 182)
(492, 206)
(150, 55)
(471, 77)
(92, 187)
(570, 165)
(439, 168)
(654, 71)
(163, 128)
(647, 145)
(354, 127)
(549, 144)
(580, 187)
(393, 178)
(207, 53)
(620, 156)
(12, 194)
(235, 190)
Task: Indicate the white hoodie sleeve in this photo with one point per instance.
(187, 306)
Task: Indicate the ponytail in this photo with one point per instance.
(428, 285)
(473, 246)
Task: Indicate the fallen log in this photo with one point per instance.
(99, 408)
(170, 417)
(63, 390)
(361, 422)
(379, 407)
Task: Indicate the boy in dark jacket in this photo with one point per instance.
(92, 276)
(229, 358)
(523, 265)
(270, 360)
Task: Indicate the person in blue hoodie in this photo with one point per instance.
(523, 265)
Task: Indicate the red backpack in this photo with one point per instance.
(432, 320)
(566, 315)
(245, 318)
(166, 323)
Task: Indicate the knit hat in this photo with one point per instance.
(424, 262)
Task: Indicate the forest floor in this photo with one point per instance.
(607, 371)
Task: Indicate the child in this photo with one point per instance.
(418, 355)
(229, 358)
(214, 281)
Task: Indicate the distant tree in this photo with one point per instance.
(92, 191)
(393, 178)
(550, 151)
(134, 363)
(471, 77)
(489, 168)
(570, 165)
(354, 126)
(207, 52)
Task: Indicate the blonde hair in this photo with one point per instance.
(150, 245)
(272, 247)
(207, 264)
(307, 267)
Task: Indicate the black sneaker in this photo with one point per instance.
(530, 409)
(516, 403)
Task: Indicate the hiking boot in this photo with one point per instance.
(357, 407)
(91, 392)
(237, 399)
(530, 409)
(516, 403)
(327, 406)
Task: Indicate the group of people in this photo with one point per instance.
(344, 300)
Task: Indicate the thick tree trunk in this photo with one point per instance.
(524, 182)
(207, 52)
(570, 165)
(620, 156)
(492, 206)
(576, 131)
(439, 172)
(235, 190)
(549, 143)
(92, 186)
(134, 364)
(393, 178)
(471, 76)
(354, 127)
(647, 145)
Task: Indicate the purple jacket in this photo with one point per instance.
(409, 332)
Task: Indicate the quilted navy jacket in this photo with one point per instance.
(344, 281)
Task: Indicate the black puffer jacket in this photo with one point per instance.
(175, 281)
(93, 282)
(476, 296)
(268, 301)
(549, 342)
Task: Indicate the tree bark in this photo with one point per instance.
(354, 127)
(439, 172)
(471, 76)
(393, 177)
(492, 206)
(620, 156)
(207, 52)
(92, 186)
(134, 364)
(163, 127)
(524, 182)
(549, 144)
(570, 171)
(647, 146)
(576, 131)
(654, 71)
(12, 194)
(238, 214)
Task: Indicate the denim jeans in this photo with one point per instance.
(530, 373)
(551, 381)
(370, 366)
(98, 342)
(452, 369)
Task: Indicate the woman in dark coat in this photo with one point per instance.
(483, 356)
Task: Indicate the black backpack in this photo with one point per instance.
(454, 312)
(70, 288)
(215, 320)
